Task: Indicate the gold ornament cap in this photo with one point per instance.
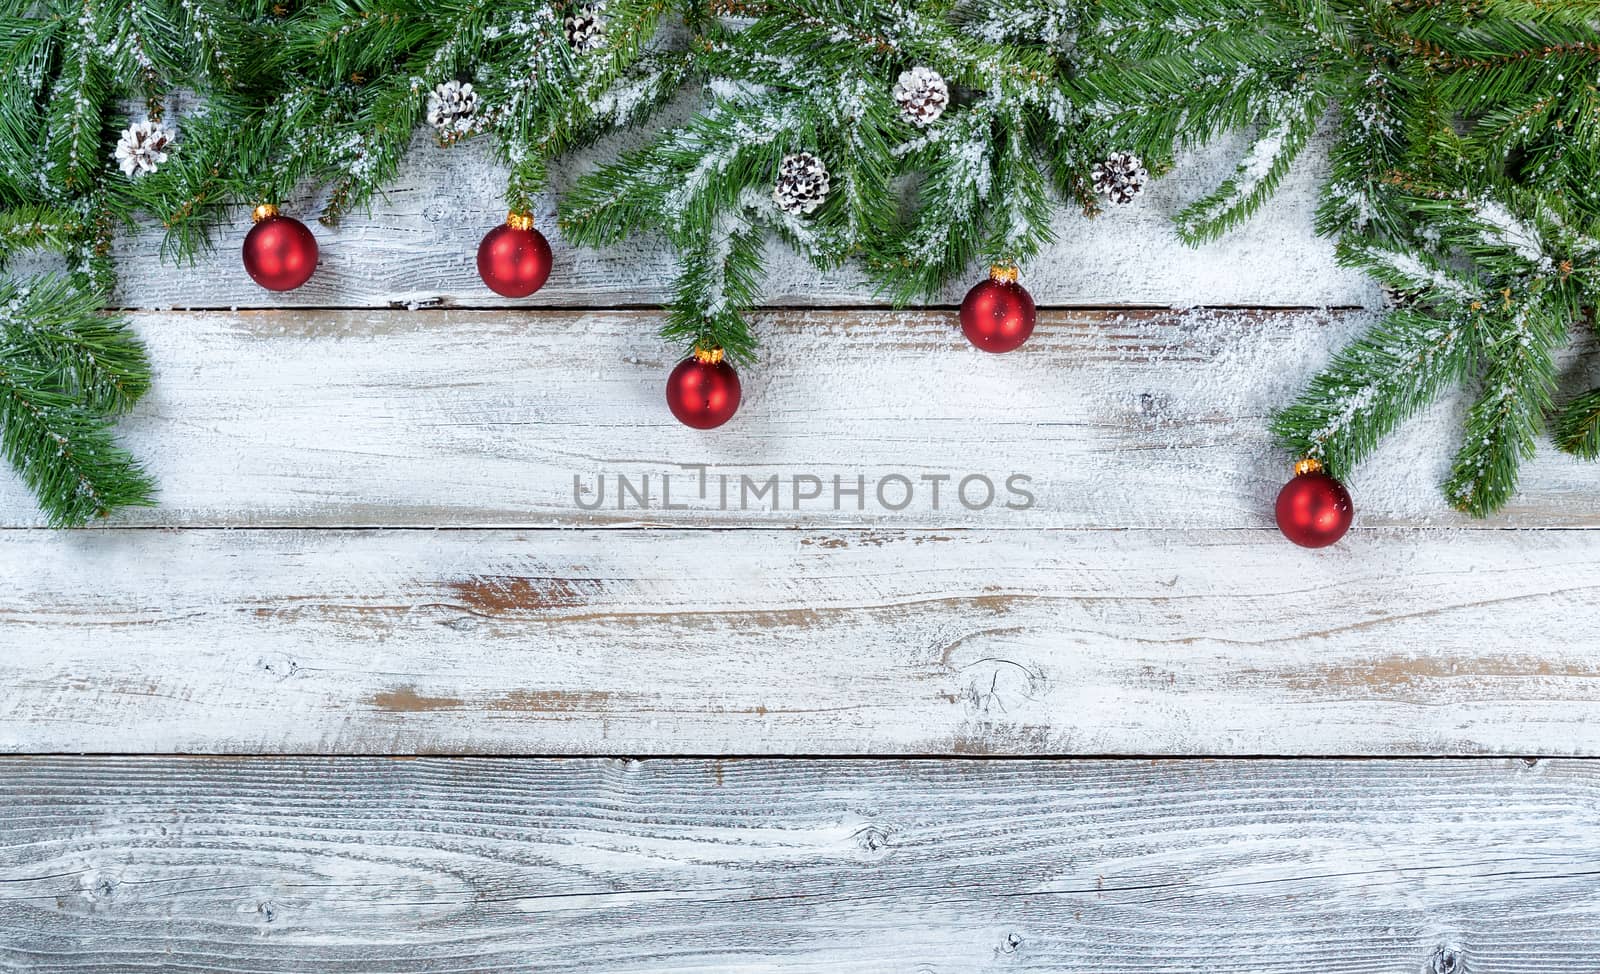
(708, 356)
(518, 220)
(1004, 273)
(264, 211)
(1308, 465)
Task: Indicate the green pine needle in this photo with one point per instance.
(1578, 426)
(66, 370)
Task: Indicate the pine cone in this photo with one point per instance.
(802, 184)
(1121, 177)
(922, 95)
(450, 109)
(1397, 297)
(586, 29)
(142, 147)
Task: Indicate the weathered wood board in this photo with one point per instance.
(474, 418)
(369, 543)
(418, 246)
(796, 642)
(372, 865)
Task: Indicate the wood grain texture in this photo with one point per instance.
(417, 247)
(788, 642)
(357, 866)
(485, 418)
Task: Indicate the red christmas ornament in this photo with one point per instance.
(514, 258)
(279, 251)
(997, 315)
(1314, 510)
(703, 391)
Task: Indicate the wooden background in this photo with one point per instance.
(807, 740)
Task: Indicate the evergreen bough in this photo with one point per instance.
(816, 76)
(338, 91)
(1466, 136)
(1463, 177)
(67, 370)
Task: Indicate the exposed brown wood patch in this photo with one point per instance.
(406, 700)
(1398, 674)
(502, 594)
(548, 701)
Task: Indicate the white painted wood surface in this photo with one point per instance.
(368, 544)
(473, 418)
(483, 867)
(418, 248)
(792, 642)
(1143, 606)
(779, 632)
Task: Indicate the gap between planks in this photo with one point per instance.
(843, 757)
(766, 309)
(865, 529)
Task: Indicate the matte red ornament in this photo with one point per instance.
(514, 258)
(1314, 509)
(997, 315)
(703, 391)
(279, 251)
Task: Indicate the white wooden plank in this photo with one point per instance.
(788, 642)
(418, 245)
(1139, 419)
(358, 866)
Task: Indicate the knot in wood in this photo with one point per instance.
(278, 666)
(1447, 960)
(97, 886)
(874, 838)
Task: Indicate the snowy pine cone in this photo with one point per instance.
(1397, 297)
(142, 147)
(1121, 177)
(586, 29)
(450, 108)
(922, 95)
(802, 184)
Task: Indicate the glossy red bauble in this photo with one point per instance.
(997, 315)
(279, 251)
(514, 258)
(703, 391)
(1314, 509)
